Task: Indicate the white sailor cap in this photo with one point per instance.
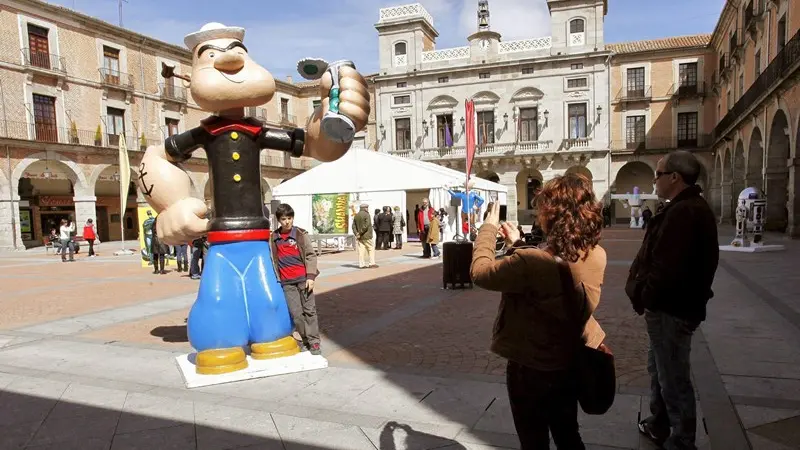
(213, 30)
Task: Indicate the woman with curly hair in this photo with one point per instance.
(532, 328)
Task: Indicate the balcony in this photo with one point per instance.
(48, 133)
(172, 93)
(46, 63)
(256, 113)
(736, 48)
(752, 15)
(636, 94)
(724, 67)
(576, 143)
(115, 79)
(662, 143)
(786, 63)
(288, 119)
(684, 90)
(488, 150)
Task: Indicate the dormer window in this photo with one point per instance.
(577, 32)
(400, 58)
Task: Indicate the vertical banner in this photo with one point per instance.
(471, 122)
(329, 213)
(147, 218)
(124, 182)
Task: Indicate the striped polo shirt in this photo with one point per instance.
(291, 268)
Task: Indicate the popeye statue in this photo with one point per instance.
(240, 302)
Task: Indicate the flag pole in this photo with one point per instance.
(124, 182)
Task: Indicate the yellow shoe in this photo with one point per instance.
(223, 360)
(276, 349)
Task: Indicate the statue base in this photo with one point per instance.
(752, 248)
(256, 368)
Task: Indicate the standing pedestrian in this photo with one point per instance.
(398, 225)
(180, 257)
(65, 236)
(362, 228)
(158, 251)
(90, 234)
(670, 283)
(296, 264)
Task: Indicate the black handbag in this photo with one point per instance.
(595, 376)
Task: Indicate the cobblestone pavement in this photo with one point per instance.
(408, 358)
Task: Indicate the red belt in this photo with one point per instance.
(221, 237)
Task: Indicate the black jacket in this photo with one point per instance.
(676, 263)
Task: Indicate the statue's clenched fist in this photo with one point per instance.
(182, 222)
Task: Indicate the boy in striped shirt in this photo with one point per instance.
(296, 265)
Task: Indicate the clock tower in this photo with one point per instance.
(484, 43)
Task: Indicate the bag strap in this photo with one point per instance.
(571, 301)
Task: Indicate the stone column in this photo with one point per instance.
(775, 186)
(85, 208)
(10, 234)
(726, 197)
(509, 180)
(794, 198)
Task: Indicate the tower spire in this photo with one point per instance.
(483, 15)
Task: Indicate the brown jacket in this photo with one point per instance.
(532, 326)
(433, 231)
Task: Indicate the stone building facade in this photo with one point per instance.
(72, 87)
(755, 104)
(542, 103)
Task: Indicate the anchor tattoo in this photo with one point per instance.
(145, 190)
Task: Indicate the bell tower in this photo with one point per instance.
(483, 15)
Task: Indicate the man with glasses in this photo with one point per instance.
(670, 283)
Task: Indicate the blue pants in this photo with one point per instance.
(240, 300)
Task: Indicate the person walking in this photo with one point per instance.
(180, 257)
(362, 228)
(65, 236)
(158, 251)
(670, 284)
(398, 226)
(90, 234)
(534, 329)
(296, 265)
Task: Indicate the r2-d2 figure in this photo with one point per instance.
(750, 212)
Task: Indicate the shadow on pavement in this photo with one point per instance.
(175, 333)
(31, 422)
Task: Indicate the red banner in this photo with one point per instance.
(469, 113)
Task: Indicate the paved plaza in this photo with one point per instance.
(88, 360)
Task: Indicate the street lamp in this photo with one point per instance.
(383, 131)
(462, 123)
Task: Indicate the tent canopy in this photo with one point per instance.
(362, 170)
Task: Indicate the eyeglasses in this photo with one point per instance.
(660, 174)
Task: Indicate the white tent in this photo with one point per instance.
(379, 179)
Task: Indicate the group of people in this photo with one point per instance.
(159, 252)
(389, 227)
(669, 284)
(64, 240)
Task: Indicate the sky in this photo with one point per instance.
(279, 33)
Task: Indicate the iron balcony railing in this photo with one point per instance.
(662, 143)
(785, 63)
(115, 78)
(46, 61)
(752, 12)
(256, 113)
(50, 133)
(681, 90)
(170, 91)
(288, 119)
(724, 65)
(635, 94)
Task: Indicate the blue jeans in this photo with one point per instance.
(240, 300)
(672, 401)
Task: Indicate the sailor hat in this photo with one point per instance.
(213, 30)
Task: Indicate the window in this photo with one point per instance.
(527, 70)
(576, 66)
(400, 48)
(757, 65)
(687, 78)
(402, 100)
(111, 65)
(444, 79)
(741, 84)
(533, 187)
(485, 127)
(687, 129)
(444, 130)
(719, 112)
(577, 120)
(316, 104)
(577, 83)
(115, 125)
(576, 32)
(285, 108)
(780, 34)
(44, 118)
(635, 84)
(634, 132)
(528, 124)
(402, 129)
(484, 75)
(402, 84)
(172, 126)
(730, 100)
(39, 46)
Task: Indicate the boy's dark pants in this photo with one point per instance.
(303, 308)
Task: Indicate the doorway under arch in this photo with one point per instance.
(490, 176)
(777, 182)
(632, 174)
(755, 160)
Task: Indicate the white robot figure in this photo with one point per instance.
(635, 202)
(750, 214)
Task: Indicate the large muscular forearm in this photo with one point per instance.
(160, 180)
(319, 147)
